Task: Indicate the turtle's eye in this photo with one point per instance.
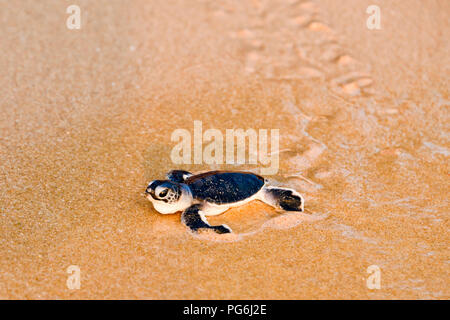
(163, 193)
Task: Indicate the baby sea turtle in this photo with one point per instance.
(212, 193)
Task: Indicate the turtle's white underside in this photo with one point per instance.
(213, 209)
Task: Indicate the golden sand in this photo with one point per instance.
(87, 117)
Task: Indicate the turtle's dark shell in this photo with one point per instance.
(222, 187)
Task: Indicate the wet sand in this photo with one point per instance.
(87, 117)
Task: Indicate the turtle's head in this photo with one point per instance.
(167, 196)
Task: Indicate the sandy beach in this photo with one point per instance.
(87, 118)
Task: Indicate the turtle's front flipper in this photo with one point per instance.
(283, 198)
(195, 220)
(178, 175)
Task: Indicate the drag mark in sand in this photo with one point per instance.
(289, 41)
(280, 222)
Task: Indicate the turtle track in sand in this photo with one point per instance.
(305, 46)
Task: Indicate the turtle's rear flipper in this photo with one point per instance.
(197, 222)
(178, 175)
(283, 198)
